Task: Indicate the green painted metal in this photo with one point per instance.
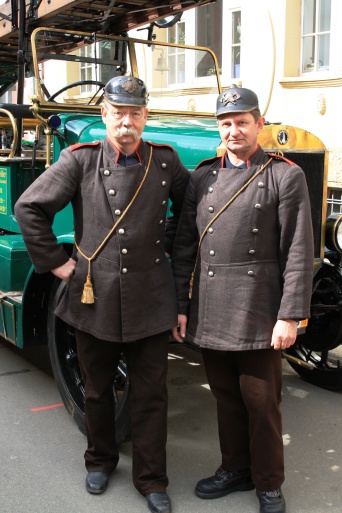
(14, 263)
(15, 176)
(194, 138)
(200, 135)
(11, 321)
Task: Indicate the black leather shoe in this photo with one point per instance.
(224, 482)
(271, 502)
(97, 482)
(159, 502)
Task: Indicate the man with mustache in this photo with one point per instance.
(119, 189)
(246, 231)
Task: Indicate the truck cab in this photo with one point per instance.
(45, 50)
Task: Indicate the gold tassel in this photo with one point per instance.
(88, 294)
(191, 284)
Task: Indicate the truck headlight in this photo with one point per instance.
(333, 233)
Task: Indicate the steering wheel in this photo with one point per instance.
(81, 83)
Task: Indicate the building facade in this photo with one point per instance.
(289, 52)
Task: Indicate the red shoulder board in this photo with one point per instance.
(207, 161)
(281, 157)
(74, 147)
(160, 145)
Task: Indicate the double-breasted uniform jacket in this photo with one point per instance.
(256, 261)
(132, 278)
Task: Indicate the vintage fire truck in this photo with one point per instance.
(65, 51)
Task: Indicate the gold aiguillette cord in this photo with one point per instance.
(191, 284)
(88, 293)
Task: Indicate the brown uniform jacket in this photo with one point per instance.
(132, 278)
(256, 262)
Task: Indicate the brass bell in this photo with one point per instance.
(161, 64)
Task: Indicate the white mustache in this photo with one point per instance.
(125, 131)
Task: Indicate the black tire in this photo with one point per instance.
(325, 372)
(320, 346)
(67, 374)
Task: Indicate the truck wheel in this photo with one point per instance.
(326, 371)
(319, 346)
(67, 374)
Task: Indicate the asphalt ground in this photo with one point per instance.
(41, 449)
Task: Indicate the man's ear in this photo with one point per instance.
(103, 113)
(260, 124)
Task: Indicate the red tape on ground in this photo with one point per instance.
(50, 407)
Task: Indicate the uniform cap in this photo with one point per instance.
(127, 91)
(235, 100)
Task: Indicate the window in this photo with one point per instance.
(236, 44)
(176, 57)
(334, 202)
(316, 31)
(101, 71)
(87, 69)
(209, 33)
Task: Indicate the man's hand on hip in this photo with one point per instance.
(65, 271)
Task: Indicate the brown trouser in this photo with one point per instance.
(247, 387)
(147, 369)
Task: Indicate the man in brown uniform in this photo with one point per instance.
(129, 301)
(252, 283)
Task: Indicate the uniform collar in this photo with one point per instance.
(229, 165)
(114, 154)
(256, 158)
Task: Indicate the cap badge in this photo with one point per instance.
(230, 98)
(130, 86)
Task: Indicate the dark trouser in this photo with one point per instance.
(147, 370)
(247, 387)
